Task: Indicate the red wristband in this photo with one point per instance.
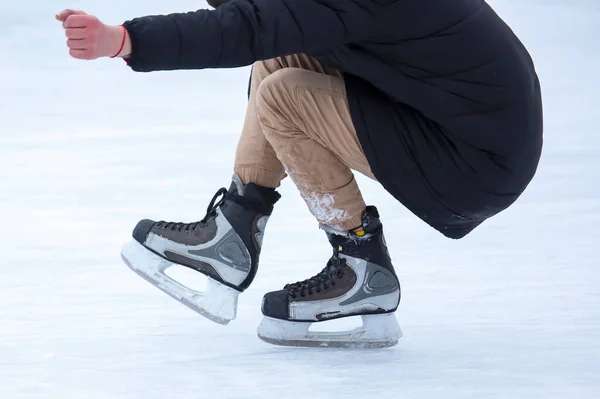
(122, 42)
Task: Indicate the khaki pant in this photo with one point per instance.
(298, 123)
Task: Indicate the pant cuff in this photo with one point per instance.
(259, 176)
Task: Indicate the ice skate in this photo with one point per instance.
(359, 280)
(224, 246)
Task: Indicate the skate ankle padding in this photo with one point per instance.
(263, 195)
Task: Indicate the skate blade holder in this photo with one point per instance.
(377, 331)
(217, 303)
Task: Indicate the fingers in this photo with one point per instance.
(63, 15)
(81, 38)
(79, 21)
(79, 44)
(86, 35)
(76, 33)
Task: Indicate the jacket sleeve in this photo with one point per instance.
(241, 32)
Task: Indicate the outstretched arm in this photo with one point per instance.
(241, 32)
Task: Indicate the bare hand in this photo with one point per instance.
(88, 38)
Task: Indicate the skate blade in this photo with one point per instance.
(218, 303)
(377, 331)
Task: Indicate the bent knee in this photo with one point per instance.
(275, 96)
(280, 83)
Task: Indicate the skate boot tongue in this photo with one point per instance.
(237, 186)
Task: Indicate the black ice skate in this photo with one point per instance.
(225, 246)
(359, 280)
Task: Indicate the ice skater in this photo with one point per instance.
(436, 100)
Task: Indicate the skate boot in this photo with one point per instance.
(359, 280)
(225, 246)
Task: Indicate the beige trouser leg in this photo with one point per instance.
(298, 122)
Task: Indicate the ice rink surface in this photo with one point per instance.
(89, 148)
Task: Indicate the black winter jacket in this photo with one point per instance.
(444, 97)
